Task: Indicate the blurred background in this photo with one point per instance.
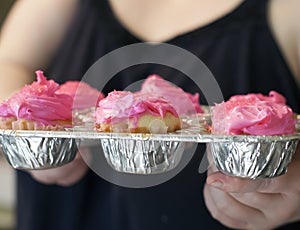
(4, 7)
(7, 178)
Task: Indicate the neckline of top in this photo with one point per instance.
(210, 25)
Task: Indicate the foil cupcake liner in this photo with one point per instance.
(142, 156)
(35, 152)
(140, 153)
(259, 159)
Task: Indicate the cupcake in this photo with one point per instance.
(84, 96)
(184, 103)
(37, 106)
(253, 114)
(124, 111)
(85, 100)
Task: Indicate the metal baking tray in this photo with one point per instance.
(236, 155)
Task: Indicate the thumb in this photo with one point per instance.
(238, 185)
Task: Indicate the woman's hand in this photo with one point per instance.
(255, 204)
(66, 175)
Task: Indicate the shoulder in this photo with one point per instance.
(284, 19)
(285, 10)
(33, 31)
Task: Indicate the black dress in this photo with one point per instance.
(242, 54)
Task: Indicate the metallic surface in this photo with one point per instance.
(142, 157)
(265, 159)
(237, 155)
(37, 152)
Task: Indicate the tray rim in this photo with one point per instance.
(184, 135)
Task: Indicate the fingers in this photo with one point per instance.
(271, 205)
(221, 216)
(285, 183)
(75, 173)
(65, 175)
(251, 210)
(261, 201)
(231, 212)
(254, 204)
(235, 184)
(281, 184)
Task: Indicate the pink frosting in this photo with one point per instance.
(120, 105)
(38, 102)
(84, 96)
(253, 114)
(273, 96)
(184, 103)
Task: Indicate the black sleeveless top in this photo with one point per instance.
(240, 51)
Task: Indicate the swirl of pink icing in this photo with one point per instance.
(121, 105)
(83, 95)
(253, 114)
(39, 102)
(273, 96)
(183, 102)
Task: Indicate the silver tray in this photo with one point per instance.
(239, 155)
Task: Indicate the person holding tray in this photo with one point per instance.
(249, 46)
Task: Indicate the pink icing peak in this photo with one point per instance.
(121, 105)
(41, 79)
(41, 85)
(253, 114)
(38, 102)
(273, 96)
(84, 96)
(183, 102)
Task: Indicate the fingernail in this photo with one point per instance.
(217, 184)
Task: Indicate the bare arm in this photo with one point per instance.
(285, 22)
(29, 38)
(28, 41)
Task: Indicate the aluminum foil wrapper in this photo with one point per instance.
(254, 159)
(142, 156)
(34, 152)
(140, 153)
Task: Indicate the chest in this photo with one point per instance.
(158, 21)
